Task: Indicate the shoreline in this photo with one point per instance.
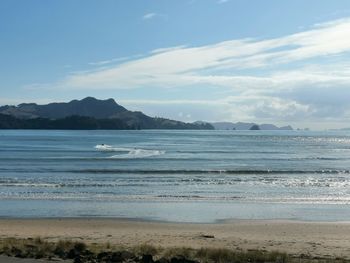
(160, 221)
(316, 239)
(191, 211)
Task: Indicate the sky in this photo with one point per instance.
(271, 61)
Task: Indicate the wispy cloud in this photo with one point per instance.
(167, 49)
(114, 60)
(210, 64)
(222, 1)
(149, 16)
(264, 75)
(100, 63)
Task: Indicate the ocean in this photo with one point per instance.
(172, 175)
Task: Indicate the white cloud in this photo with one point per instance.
(185, 65)
(245, 107)
(152, 15)
(167, 49)
(149, 16)
(262, 73)
(100, 63)
(114, 60)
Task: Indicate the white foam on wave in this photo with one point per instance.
(138, 153)
(128, 153)
(109, 148)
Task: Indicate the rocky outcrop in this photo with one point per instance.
(254, 128)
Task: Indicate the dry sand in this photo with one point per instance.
(310, 238)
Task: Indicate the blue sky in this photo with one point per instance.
(282, 62)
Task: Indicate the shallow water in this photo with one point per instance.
(192, 176)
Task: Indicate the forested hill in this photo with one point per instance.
(85, 114)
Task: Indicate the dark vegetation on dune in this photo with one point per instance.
(80, 252)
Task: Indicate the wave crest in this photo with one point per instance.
(128, 153)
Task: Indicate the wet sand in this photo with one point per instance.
(323, 239)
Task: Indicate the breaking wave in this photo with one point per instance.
(128, 153)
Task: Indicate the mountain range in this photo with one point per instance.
(91, 113)
(88, 113)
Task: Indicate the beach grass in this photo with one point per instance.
(104, 252)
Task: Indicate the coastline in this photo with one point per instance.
(316, 239)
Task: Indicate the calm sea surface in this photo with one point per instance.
(186, 176)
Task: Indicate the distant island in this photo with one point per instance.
(247, 126)
(94, 114)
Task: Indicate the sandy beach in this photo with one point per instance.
(319, 239)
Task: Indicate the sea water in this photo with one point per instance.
(172, 175)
